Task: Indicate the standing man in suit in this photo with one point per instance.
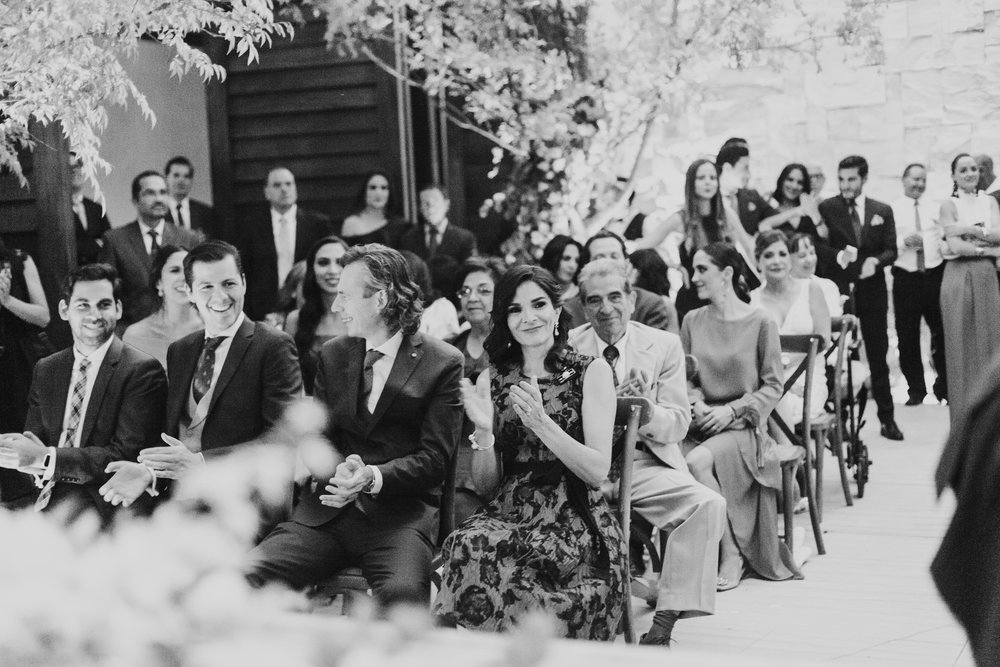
(733, 163)
(436, 235)
(273, 237)
(228, 383)
(916, 284)
(187, 213)
(861, 243)
(130, 249)
(650, 363)
(95, 403)
(395, 413)
(89, 220)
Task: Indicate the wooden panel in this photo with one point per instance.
(308, 188)
(306, 144)
(304, 78)
(350, 98)
(346, 120)
(290, 56)
(305, 167)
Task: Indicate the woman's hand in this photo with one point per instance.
(715, 420)
(477, 401)
(526, 398)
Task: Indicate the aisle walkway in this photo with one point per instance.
(870, 600)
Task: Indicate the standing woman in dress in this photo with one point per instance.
(542, 447)
(703, 220)
(739, 384)
(374, 219)
(970, 295)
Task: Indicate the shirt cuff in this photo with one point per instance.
(376, 481)
(50, 469)
(151, 490)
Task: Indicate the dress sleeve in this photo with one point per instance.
(754, 407)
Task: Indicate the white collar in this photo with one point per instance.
(146, 228)
(439, 227)
(289, 214)
(621, 344)
(231, 330)
(390, 348)
(96, 358)
(183, 203)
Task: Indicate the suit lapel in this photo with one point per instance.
(138, 245)
(301, 237)
(238, 348)
(181, 377)
(104, 374)
(410, 352)
(62, 376)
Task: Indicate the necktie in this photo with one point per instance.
(155, 244)
(285, 250)
(611, 355)
(856, 222)
(367, 377)
(921, 260)
(72, 426)
(179, 217)
(206, 368)
(432, 240)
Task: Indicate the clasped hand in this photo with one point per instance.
(712, 421)
(350, 478)
(173, 462)
(526, 399)
(128, 481)
(21, 450)
(637, 384)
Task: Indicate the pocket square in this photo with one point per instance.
(877, 220)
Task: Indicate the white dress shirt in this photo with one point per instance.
(904, 211)
(621, 365)
(380, 374)
(285, 250)
(147, 240)
(80, 209)
(184, 207)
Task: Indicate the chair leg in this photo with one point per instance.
(813, 513)
(819, 443)
(788, 502)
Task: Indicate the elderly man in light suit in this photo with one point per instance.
(649, 362)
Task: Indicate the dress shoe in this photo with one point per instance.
(915, 399)
(890, 431)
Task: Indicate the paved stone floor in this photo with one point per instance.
(868, 601)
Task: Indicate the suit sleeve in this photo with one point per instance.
(282, 379)
(890, 252)
(33, 421)
(826, 253)
(107, 254)
(140, 418)
(671, 410)
(427, 466)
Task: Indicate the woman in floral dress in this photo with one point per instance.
(543, 436)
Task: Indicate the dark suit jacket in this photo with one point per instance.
(410, 438)
(877, 240)
(254, 237)
(125, 250)
(88, 241)
(259, 378)
(649, 309)
(456, 242)
(124, 415)
(752, 209)
(202, 219)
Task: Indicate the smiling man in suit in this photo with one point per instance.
(650, 363)
(130, 249)
(437, 235)
(861, 243)
(273, 237)
(395, 413)
(97, 402)
(187, 213)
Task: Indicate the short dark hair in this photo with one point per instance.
(605, 234)
(433, 185)
(159, 261)
(731, 153)
(181, 160)
(274, 168)
(779, 192)
(553, 253)
(137, 181)
(652, 271)
(768, 238)
(855, 162)
(723, 255)
(89, 273)
(505, 352)
(420, 274)
(797, 239)
(493, 266)
(209, 252)
(389, 272)
(913, 165)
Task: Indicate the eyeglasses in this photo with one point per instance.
(481, 290)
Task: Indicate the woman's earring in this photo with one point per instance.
(159, 292)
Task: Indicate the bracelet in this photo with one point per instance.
(479, 448)
(735, 416)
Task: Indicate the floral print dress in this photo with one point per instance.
(546, 541)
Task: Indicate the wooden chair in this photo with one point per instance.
(838, 351)
(801, 456)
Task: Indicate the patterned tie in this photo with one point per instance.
(371, 356)
(432, 240)
(69, 434)
(856, 221)
(206, 368)
(611, 355)
(921, 260)
(155, 245)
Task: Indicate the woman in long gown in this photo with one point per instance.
(547, 540)
(739, 383)
(970, 294)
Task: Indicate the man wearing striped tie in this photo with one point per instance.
(96, 402)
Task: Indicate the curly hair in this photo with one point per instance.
(505, 352)
(389, 272)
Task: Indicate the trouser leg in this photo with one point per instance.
(909, 302)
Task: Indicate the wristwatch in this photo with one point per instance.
(371, 485)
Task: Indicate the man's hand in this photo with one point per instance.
(914, 240)
(21, 450)
(173, 462)
(128, 482)
(351, 478)
(637, 384)
(869, 268)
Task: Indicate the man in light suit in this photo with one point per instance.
(650, 363)
(130, 249)
(861, 243)
(437, 235)
(187, 213)
(395, 413)
(273, 237)
(228, 384)
(92, 404)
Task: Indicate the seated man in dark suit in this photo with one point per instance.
(273, 237)
(95, 403)
(228, 384)
(130, 249)
(187, 213)
(395, 413)
(89, 220)
(650, 309)
(436, 235)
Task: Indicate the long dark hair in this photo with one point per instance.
(954, 163)
(553, 253)
(725, 254)
(652, 271)
(714, 227)
(160, 260)
(312, 309)
(361, 197)
(779, 192)
(505, 352)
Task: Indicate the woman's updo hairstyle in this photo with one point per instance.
(767, 239)
(725, 255)
(954, 163)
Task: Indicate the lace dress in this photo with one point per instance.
(546, 540)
